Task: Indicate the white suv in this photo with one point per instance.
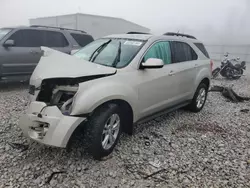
(113, 83)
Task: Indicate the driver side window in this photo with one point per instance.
(160, 50)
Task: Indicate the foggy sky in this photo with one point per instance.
(214, 21)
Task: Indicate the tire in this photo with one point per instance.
(236, 77)
(193, 106)
(94, 135)
(215, 72)
(240, 72)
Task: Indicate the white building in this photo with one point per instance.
(97, 26)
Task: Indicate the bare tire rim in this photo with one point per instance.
(110, 131)
(201, 98)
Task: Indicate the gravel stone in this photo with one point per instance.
(207, 149)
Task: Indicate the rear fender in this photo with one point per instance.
(203, 73)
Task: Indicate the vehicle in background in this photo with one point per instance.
(20, 48)
(113, 83)
(228, 69)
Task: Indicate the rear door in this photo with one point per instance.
(185, 59)
(57, 41)
(22, 58)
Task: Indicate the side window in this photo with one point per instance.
(182, 52)
(27, 38)
(160, 50)
(55, 39)
(202, 49)
(82, 40)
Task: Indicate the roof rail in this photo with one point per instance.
(179, 34)
(61, 28)
(135, 32)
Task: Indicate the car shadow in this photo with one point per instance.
(9, 86)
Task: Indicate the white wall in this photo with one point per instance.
(67, 21)
(97, 26)
(101, 26)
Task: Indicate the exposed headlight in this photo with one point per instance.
(63, 98)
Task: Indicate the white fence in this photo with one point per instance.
(216, 52)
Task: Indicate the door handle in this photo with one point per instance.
(196, 65)
(171, 73)
(34, 52)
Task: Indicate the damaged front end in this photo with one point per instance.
(48, 119)
(58, 92)
(53, 87)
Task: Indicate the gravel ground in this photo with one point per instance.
(208, 149)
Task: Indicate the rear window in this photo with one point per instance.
(202, 49)
(82, 40)
(55, 39)
(182, 52)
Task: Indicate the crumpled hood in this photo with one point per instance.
(55, 64)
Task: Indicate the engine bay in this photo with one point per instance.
(58, 92)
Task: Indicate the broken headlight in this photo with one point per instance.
(63, 98)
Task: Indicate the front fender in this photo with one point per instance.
(92, 95)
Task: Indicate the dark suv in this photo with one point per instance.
(20, 47)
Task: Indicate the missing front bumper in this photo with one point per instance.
(52, 128)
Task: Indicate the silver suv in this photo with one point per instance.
(20, 47)
(113, 83)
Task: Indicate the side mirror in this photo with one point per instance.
(74, 51)
(153, 63)
(9, 43)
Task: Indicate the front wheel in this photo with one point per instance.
(103, 130)
(215, 72)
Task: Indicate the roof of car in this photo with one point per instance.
(149, 36)
(40, 27)
(130, 36)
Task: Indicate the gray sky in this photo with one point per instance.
(214, 21)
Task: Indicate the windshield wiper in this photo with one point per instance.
(118, 55)
(98, 50)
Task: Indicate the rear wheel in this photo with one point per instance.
(238, 72)
(199, 98)
(103, 130)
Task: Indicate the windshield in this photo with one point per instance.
(4, 32)
(106, 51)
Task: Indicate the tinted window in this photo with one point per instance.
(27, 38)
(182, 52)
(82, 40)
(202, 49)
(55, 39)
(4, 32)
(160, 50)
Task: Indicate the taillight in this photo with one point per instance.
(211, 65)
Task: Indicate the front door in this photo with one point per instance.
(157, 88)
(22, 58)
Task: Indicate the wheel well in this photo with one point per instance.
(127, 112)
(206, 81)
